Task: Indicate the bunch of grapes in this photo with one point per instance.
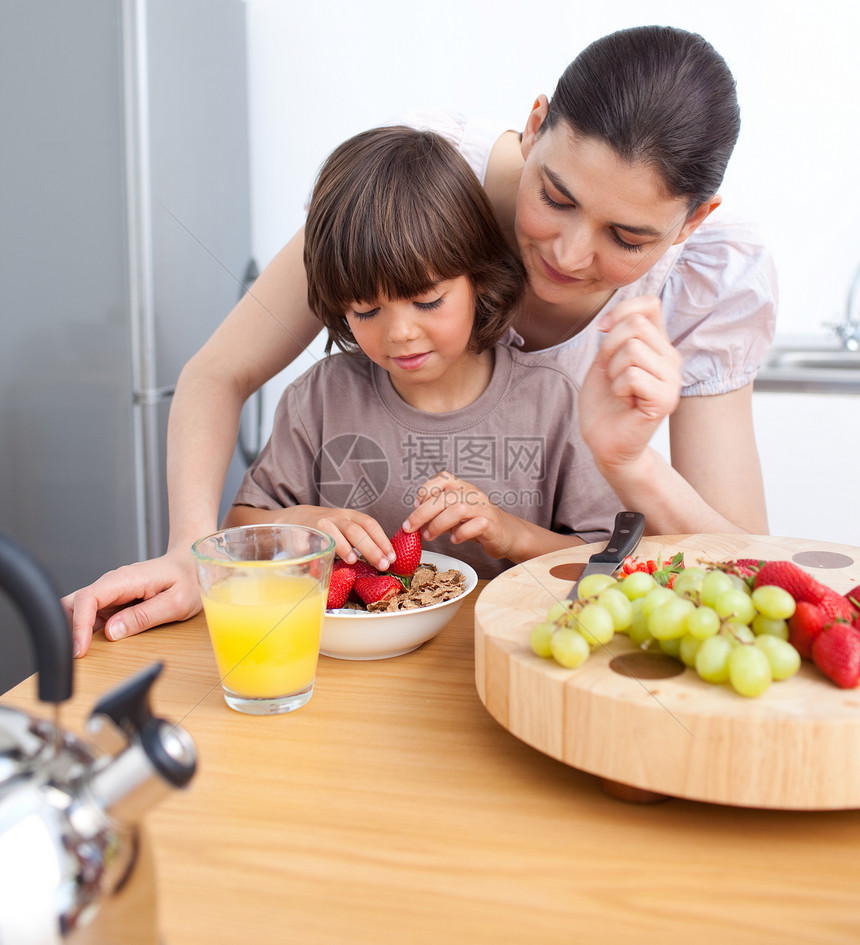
(709, 618)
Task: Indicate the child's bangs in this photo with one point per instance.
(401, 251)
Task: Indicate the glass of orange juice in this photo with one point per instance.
(264, 590)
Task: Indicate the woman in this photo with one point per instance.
(608, 196)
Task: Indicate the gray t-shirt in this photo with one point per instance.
(342, 437)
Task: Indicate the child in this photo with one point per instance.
(410, 274)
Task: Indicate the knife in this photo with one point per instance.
(625, 536)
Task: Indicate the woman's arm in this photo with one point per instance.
(713, 448)
(269, 327)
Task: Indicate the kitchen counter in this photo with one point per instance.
(812, 364)
(394, 809)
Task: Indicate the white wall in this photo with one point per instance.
(323, 70)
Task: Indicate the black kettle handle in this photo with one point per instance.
(28, 584)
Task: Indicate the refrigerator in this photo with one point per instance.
(124, 241)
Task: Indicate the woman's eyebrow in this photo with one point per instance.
(556, 181)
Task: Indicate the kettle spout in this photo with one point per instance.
(156, 757)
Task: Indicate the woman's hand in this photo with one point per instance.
(634, 382)
(447, 504)
(134, 598)
(352, 531)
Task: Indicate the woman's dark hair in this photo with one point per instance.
(657, 95)
(395, 211)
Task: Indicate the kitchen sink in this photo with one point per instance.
(812, 368)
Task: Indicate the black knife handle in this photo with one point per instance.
(629, 527)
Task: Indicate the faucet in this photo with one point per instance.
(848, 330)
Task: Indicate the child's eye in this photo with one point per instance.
(429, 306)
(362, 316)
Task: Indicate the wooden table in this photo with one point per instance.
(394, 809)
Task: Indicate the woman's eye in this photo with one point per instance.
(630, 247)
(545, 197)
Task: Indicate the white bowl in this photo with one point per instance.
(357, 635)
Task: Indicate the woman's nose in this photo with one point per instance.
(575, 248)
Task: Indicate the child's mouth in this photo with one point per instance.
(412, 362)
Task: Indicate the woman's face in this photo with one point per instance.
(586, 222)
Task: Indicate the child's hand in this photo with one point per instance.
(447, 504)
(351, 530)
(634, 382)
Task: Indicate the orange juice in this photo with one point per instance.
(265, 631)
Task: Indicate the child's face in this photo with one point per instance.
(420, 340)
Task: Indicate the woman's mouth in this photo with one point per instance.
(411, 362)
(556, 276)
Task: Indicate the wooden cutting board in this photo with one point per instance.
(797, 747)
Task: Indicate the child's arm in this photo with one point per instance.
(350, 530)
(451, 505)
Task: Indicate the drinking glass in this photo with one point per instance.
(264, 590)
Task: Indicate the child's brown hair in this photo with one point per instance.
(395, 211)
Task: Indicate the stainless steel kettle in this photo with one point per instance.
(75, 865)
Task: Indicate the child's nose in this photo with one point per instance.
(402, 326)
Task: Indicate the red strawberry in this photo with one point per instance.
(790, 577)
(836, 652)
(804, 626)
(407, 547)
(804, 587)
(342, 580)
(361, 568)
(836, 606)
(371, 588)
(853, 597)
(745, 567)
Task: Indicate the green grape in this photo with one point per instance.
(739, 584)
(671, 647)
(638, 630)
(595, 624)
(735, 605)
(592, 584)
(619, 606)
(569, 648)
(703, 622)
(687, 649)
(637, 584)
(749, 670)
(737, 632)
(712, 659)
(669, 620)
(713, 584)
(766, 625)
(559, 611)
(688, 583)
(539, 638)
(783, 657)
(772, 602)
(653, 599)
